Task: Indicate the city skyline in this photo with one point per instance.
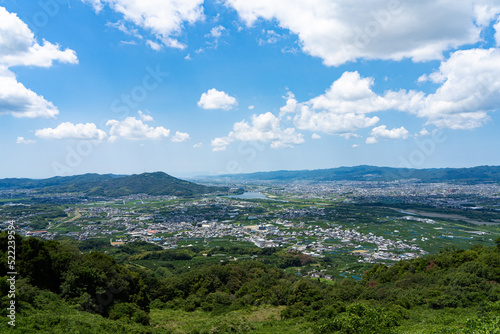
(220, 87)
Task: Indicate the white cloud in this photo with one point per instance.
(329, 122)
(97, 4)
(348, 94)
(349, 135)
(341, 109)
(424, 132)
(264, 128)
(381, 132)
(69, 130)
(179, 137)
(221, 143)
(162, 18)
(214, 37)
(153, 45)
(344, 106)
(198, 145)
(19, 101)
(214, 99)
(291, 104)
(396, 133)
(270, 37)
(355, 145)
(315, 136)
(128, 42)
(120, 25)
(135, 129)
(497, 32)
(251, 107)
(18, 47)
(22, 140)
(485, 11)
(470, 88)
(339, 31)
(216, 32)
(144, 117)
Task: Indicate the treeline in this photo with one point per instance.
(453, 278)
(95, 283)
(92, 282)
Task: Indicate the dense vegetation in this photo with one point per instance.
(60, 289)
(154, 184)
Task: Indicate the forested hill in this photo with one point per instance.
(478, 174)
(155, 184)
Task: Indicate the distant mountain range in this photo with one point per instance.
(162, 184)
(371, 173)
(154, 184)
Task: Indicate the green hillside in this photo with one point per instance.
(61, 290)
(154, 184)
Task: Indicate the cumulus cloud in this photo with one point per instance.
(469, 90)
(135, 129)
(315, 136)
(485, 11)
(18, 47)
(264, 128)
(221, 143)
(344, 106)
(179, 137)
(69, 130)
(145, 117)
(22, 140)
(19, 101)
(350, 93)
(341, 109)
(340, 31)
(162, 18)
(381, 132)
(291, 104)
(214, 99)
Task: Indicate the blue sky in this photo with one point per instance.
(195, 87)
